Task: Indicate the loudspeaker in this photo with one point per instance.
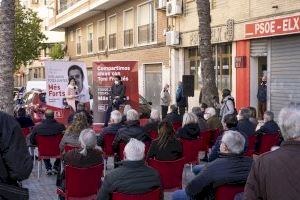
(188, 85)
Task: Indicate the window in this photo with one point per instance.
(146, 25)
(112, 32)
(101, 35)
(128, 27)
(193, 63)
(90, 38)
(78, 41)
(45, 2)
(46, 28)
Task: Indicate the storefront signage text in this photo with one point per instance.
(280, 26)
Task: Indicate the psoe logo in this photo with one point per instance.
(58, 114)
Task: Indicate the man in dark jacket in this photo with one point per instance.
(48, 127)
(81, 108)
(244, 125)
(181, 100)
(117, 97)
(113, 128)
(269, 126)
(275, 175)
(16, 163)
(153, 122)
(173, 115)
(230, 168)
(131, 130)
(132, 176)
(24, 121)
(262, 97)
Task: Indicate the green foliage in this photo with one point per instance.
(56, 52)
(28, 36)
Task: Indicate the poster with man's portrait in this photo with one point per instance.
(58, 76)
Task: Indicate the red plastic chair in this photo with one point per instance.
(153, 135)
(267, 141)
(144, 121)
(190, 150)
(107, 148)
(69, 147)
(214, 136)
(122, 147)
(228, 192)
(153, 195)
(205, 140)
(48, 147)
(170, 172)
(81, 183)
(251, 146)
(176, 126)
(26, 131)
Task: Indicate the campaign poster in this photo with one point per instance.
(103, 78)
(58, 74)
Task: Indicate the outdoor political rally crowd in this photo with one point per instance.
(241, 159)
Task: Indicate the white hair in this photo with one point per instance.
(116, 116)
(289, 122)
(234, 141)
(134, 150)
(211, 111)
(126, 108)
(155, 115)
(88, 140)
(132, 115)
(189, 118)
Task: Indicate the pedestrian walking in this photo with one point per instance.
(165, 100)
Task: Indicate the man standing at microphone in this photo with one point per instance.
(117, 97)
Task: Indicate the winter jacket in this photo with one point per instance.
(202, 124)
(245, 126)
(132, 177)
(214, 123)
(111, 129)
(181, 100)
(228, 169)
(13, 151)
(118, 90)
(131, 130)
(173, 117)
(71, 139)
(76, 159)
(269, 127)
(165, 98)
(47, 127)
(172, 151)
(275, 175)
(151, 126)
(227, 107)
(262, 93)
(189, 132)
(25, 122)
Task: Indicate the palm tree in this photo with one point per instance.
(7, 31)
(209, 88)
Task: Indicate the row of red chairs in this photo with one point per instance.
(267, 141)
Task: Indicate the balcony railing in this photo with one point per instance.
(65, 6)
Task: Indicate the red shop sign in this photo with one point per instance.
(281, 26)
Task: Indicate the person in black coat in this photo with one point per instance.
(230, 168)
(24, 121)
(153, 122)
(117, 97)
(166, 146)
(131, 130)
(190, 128)
(181, 100)
(173, 116)
(113, 128)
(245, 125)
(15, 161)
(48, 127)
(132, 176)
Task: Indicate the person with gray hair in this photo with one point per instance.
(133, 176)
(269, 126)
(165, 100)
(190, 129)
(132, 129)
(275, 175)
(244, 124)
(201, 121)
(213, 121)
(153, 122)
(113, 128)
(230, 168)
(126, 108)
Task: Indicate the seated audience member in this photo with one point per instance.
(190, 128)
(253, 117)
(112, 128)
(131, 130)
(24, 121)
(244, 124)
(275, 175)
(230, 168)
(48, 127)
(166, 146)
(81, 108)
(201, 121)
(73, 131)
(269, 126)
(126, 108)
(213, 121)
(87, 156)
(153, 122)
(173, 116)
(132, 176)
(203, 107)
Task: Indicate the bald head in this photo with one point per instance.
(49, 114)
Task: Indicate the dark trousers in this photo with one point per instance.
(181, 110)
(262, 107)
(115, 105)
(164, 111)
(48, 164)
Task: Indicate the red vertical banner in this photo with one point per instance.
(103, 78)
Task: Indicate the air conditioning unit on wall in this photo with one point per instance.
(174, 8)
(161, 4)
(172, 38)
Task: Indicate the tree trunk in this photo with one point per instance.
(209, 88)
(7, 32)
